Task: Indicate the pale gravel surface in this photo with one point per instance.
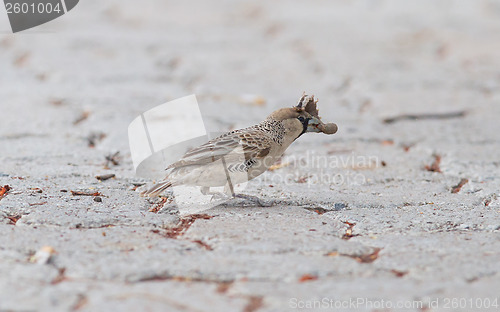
(365, 60)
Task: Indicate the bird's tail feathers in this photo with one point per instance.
(157, 189)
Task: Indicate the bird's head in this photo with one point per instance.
(302, 118)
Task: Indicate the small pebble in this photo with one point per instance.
(329, 128)
(105, 177)
(98, 199)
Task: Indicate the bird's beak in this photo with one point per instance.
(314, 125)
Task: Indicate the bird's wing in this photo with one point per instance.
(235, 146)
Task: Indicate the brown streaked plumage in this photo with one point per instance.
(241, 155)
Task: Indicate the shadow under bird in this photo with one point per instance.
(241, 155)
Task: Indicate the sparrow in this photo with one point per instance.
(241, 155)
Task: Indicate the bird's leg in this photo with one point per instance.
(229, 190)
(229, 185)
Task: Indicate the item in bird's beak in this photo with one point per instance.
(316, 125)
(329, 128)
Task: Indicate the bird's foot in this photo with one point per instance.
(228, 194)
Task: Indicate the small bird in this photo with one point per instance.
(241, 155)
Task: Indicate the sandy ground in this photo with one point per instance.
(357, 223)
